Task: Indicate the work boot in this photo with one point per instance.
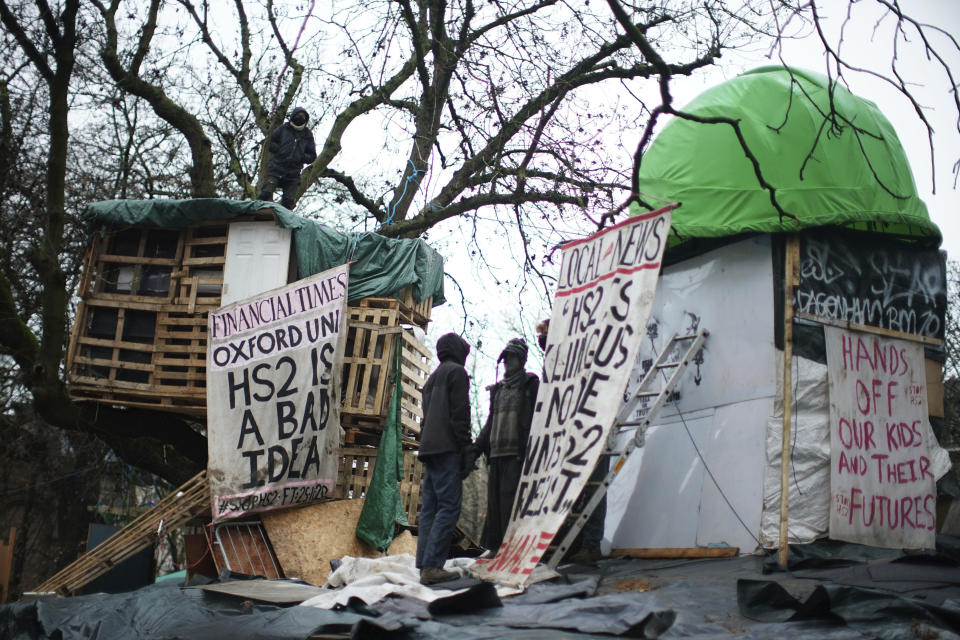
(586, 555)
(434, 575)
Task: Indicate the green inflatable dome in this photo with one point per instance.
(703, 167)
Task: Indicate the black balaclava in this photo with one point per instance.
(299, 118)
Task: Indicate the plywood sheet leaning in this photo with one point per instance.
(306, 539)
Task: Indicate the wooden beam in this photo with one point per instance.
(866, 328)
(791, 277)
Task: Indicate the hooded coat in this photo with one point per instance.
(290, 148)
(446, 400)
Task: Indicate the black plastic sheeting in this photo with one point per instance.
(834, 591)
(479, 613)
(164, 611)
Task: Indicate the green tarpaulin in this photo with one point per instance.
(856, 176)
(381, 266)
(383, 507)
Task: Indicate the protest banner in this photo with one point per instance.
(273, 387)
(604, 294)
(884, 458)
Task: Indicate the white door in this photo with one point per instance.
(258, 258)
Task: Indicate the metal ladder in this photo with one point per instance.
(650, 400)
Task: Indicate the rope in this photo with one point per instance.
(392, 210)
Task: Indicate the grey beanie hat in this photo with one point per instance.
(516, 346)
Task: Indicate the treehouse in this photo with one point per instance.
(154, 269)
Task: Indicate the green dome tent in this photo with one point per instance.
(781, 111)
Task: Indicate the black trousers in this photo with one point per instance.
(501, 488)
(289, 186)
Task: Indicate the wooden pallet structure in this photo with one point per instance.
(356, 472)
(374, 331)
(184, 504)
(140, 337)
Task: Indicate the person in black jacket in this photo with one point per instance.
(291, 145)
(503, 438)
(444, 447)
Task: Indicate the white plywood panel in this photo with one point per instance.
(734, 454)
(258, 256)
(660, 507)
(729, 292)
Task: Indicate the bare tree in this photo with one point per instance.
(431, 116)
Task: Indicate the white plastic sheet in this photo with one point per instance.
(372, 579)
(809, 493)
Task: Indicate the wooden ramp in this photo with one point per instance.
(186, 502)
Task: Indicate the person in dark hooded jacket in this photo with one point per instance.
(503, 438)
(292, 146)
(444, 445)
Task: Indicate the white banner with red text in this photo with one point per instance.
(884, 458)
(604, 295)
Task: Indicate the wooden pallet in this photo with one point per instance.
(373, 334)
(185, 503)
(356, 472)
(409, 310)
(419, 311)
(140, 335)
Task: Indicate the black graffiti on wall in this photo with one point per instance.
(862, 279)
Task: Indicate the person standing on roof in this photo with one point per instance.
(444, 450)
(503, 438)
(291, 146)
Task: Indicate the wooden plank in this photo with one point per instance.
(196, 410)
(865, 328)
(205, 261)
(182, 504)
(6, 564)
(791, 277)
(677, 552)
(127, 301)
(106, 258)
(138, 397)
(115, 364)
(193, 351)
(193, 321)
(274, 591)
(116, 344)
(137, 303)
(934, 371)
(197, 241)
